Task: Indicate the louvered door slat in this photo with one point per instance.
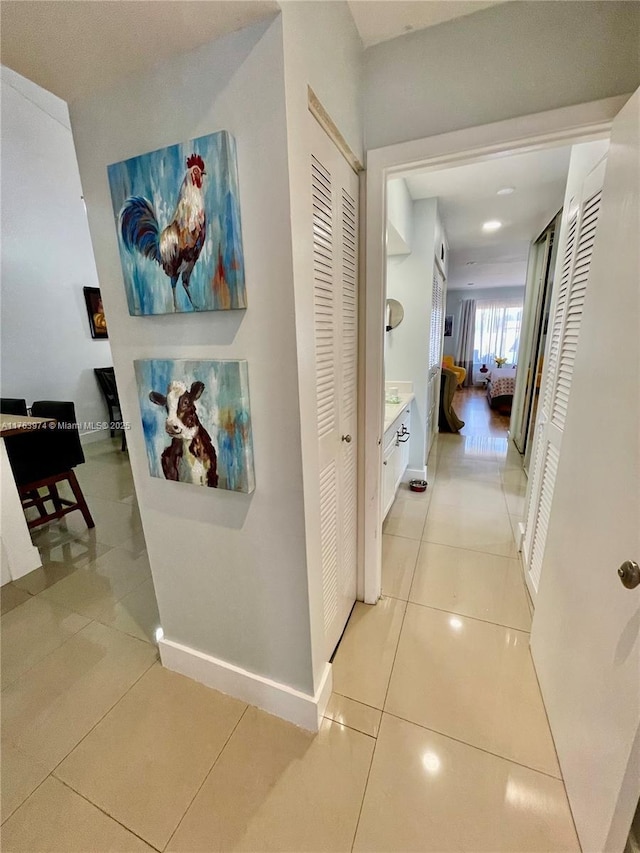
(324, 296)
(329, 542)
(349, 389)
(561, 356)
(558, 318)
(550, 469)
(349, 308)
(576, 297)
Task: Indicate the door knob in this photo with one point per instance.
(347, 438)
(629, 574)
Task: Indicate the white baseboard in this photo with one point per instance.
(94, 435)
(414, 474)
(278, 699)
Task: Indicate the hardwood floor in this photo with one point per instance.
(472, 406)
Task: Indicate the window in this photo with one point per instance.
(497, 331)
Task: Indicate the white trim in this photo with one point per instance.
(414, 474)
(94, 435)
(279, 699)
(325, 121)
(567, 125)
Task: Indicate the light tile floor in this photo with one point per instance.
(435, 738)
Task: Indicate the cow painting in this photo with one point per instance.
(196, 422)
(191, 456)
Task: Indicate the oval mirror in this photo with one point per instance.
(395, 314)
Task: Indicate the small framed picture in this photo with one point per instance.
(95, 311)
(448, 325)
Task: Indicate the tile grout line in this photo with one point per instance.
(475, 746)
(366, 704)
(207, 774)
(48, 654)
(95, 618)
(51, 773)
(108, 711)
(106, 813)
(395, 655)
(350, 727)
(472, 550)
(364, 790)
(463, 615)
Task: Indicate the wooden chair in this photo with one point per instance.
(107, 381)
(45, 457)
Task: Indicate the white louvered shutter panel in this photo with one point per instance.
(334, 192)
(575, 303)
(437, 319)
(324, 296)
(533, 494)
(329, 543)
(558, 317)
(324, 304)
(562, 347)
(435, 352)
(550, 470)
(349, 389)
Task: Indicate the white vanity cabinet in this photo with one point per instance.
(395, 456)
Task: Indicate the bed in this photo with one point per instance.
(500, 387)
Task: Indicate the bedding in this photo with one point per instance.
(500, 387)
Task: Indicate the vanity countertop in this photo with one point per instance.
(393, 410)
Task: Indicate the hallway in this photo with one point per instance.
(435, 738)
(440, 671)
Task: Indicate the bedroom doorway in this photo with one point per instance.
(586, 195)
(427, 161)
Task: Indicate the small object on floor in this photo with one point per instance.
(418, 485)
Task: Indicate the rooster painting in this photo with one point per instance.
(178, 223)
(178, 246)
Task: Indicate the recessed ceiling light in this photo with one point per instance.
(492, 225)
(470, 283)
(506, 191)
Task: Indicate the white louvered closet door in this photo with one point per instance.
(572, 277)
(436, 342)
(334, 187)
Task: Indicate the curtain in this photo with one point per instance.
(464, 350)
(497, 332)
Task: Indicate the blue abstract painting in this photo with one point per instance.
(196, 420)
(177, 215)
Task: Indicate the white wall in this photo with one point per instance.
(229, 569)
(322, 44)
(399, 217)
(409, 280)
(47, 258)
(455, 297)
(506, 61)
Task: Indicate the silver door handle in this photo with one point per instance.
(629, 574)
(347, 438)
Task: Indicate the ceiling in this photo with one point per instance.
(467, 197)
(381, 20)
(75, 48)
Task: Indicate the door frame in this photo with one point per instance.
(568, 125)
